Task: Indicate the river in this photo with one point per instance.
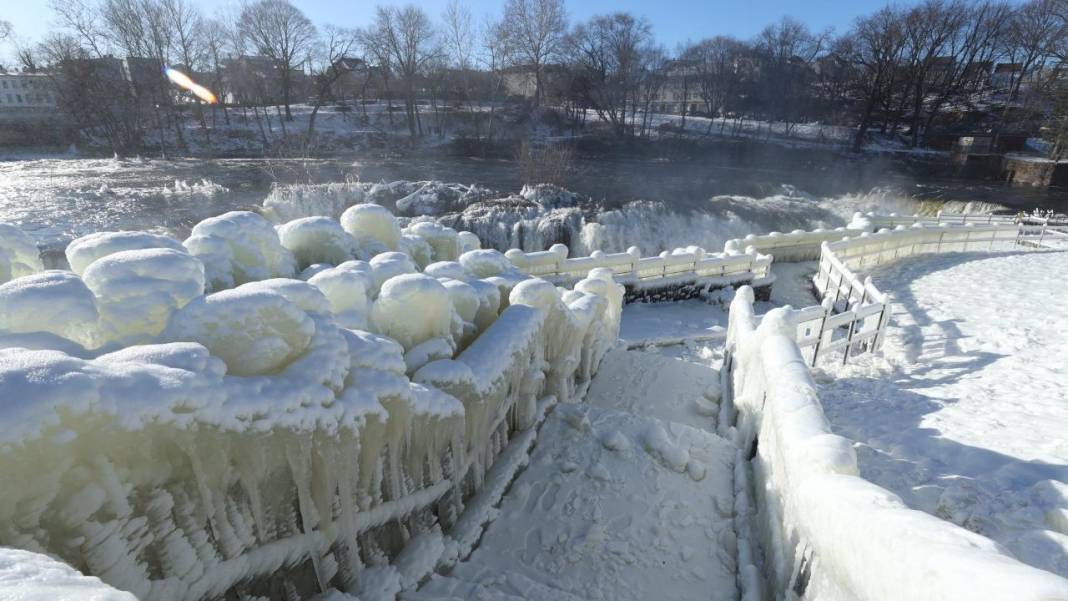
(58, 199)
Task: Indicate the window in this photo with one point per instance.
(9, 98)
(19, 98)
(5, 84)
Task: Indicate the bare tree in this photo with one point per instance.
(874, 47)
(329, 64)
(609, 49)
(281, 32)
(459, 41)
(534, 34)
(5, 30)
(716, 66)
(410, 39)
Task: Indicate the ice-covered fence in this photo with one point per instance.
(855, 313)
(826, 532)
(681, 273)
(893, 220)
(795, 246)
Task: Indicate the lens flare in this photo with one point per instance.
(184, 81)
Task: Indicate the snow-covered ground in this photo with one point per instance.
(628, 496)
(965, 413)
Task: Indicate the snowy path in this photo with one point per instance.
(627, 497)
(966, 417)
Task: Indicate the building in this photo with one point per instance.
(256, 80)
(681, 89)
(27, 92)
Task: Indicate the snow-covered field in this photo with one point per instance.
(965, 413)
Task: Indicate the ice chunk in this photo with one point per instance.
(18, 254)
(239, 247)
(138, 290)
(317, 240)
(370, 222)
(57, 302)
(254, 332)
(412, 309)
(83, 251)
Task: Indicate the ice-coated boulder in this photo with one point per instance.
(253, 332)
(239, 247)
(317, 240)
(443, 241)
(389, 265)
(348, 289)
(57, 302)
(446, 269)
(18, 254)
(371, 222)
(413, 308)
(302, 294)
(138, 290)
(81, 252)
(484, 263)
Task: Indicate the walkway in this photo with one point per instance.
(627, 496)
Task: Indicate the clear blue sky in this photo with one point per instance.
(673, 21)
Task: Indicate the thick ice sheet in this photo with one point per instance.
(613, 506)
(967, 416)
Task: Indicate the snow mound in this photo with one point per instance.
(317, 240)
(138, 290)
(418, 249)
(81, 252)
(239, 247)
(253, 332)
(18, 254)
(372, 223)
(57, 302)
(412, 309)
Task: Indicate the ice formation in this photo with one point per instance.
(370, 223)
(348, 288)
(317, 240)
(239, 247)
(138, 290)
(55, 302)
(412, 309)
(81, 252)
(18, 254)
(254, 332)
(444, 241)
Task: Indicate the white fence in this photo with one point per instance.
(826, 533)
(631, 269)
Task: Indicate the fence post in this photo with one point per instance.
(938, 250)
(1042, 236)
(828, 307)
(849, 338)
